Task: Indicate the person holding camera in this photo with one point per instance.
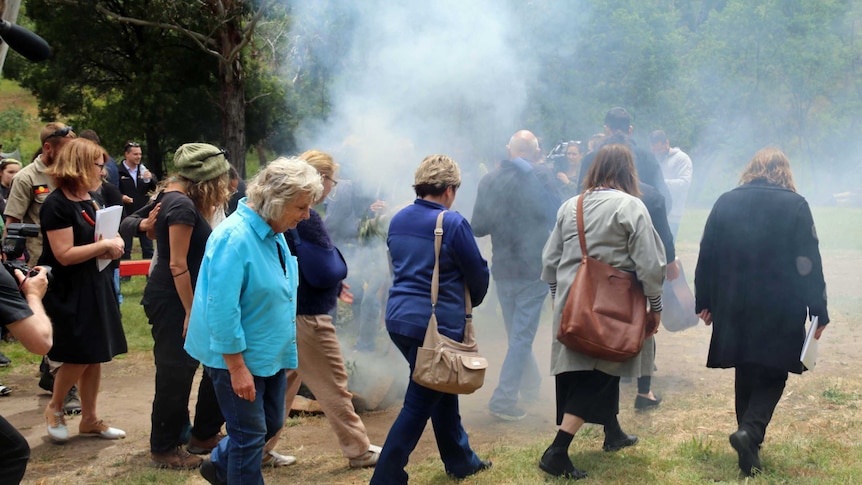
(82, 303)
(22, 314)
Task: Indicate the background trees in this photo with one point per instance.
(721, 77)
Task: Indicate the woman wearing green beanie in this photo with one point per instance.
(185, 203)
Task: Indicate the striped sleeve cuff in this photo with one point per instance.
(655, 303)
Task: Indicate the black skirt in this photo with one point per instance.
(590, 395)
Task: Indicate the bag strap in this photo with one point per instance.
(469, 335)
(580, 218)
(435, 277)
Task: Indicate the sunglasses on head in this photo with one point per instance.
(131, 144)
(61, 133)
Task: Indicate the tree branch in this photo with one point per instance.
(201, 40)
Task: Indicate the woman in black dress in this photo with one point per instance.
(81, 300)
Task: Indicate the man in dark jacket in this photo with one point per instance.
(618, 129)
(514, 208)
(136, 184)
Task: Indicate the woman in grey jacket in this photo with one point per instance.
(619, 232)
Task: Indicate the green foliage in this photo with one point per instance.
(722, 77)
(697, 448)
(13, 123)
(837, 397)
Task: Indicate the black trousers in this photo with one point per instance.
(175, 373)
(14, 453)
(758, 390)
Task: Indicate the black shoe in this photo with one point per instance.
(208, 471)
(46, 380)
(645, 403)
(556, 462)
(4, 361)
(483, 465)
(749, 462)
(624, 441)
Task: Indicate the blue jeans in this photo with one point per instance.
(117, 285)
(420, 404)
(249, 425)
(521, 303)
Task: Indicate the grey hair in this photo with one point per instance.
(281, 182)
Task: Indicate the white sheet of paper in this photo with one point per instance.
(107, 225)
(809, 349)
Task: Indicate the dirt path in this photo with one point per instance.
(127, 388)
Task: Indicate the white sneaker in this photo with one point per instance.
(101, 430)
(57, 426)
(273, 459)
(367, 459)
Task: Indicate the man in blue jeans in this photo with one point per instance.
(516, 205)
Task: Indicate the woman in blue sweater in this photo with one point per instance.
(321, 365)
(411, 247)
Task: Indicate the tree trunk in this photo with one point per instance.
(155, 159)
(232, 96)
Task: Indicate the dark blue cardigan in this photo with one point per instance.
(311, 300)
(411, 247)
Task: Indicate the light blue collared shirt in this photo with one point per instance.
(245, 298)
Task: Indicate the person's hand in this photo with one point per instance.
(653, 320)
(127, 199)
(819, 332)
(147, 176)
(148, 225)
(113, 247)
(36, 285)
(705, 316)
(378, 205)
(242, 383)
(673, 270)
(562, 177)
(346, 296)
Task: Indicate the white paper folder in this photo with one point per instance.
(809, 348)
(107, 225)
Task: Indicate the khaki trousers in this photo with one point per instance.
(321, 367)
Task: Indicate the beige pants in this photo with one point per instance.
(321, 367)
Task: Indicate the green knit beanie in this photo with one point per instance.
(200, 161)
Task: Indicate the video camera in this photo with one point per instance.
(557, 156)
(14, 245)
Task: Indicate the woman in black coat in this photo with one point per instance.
(759, 275)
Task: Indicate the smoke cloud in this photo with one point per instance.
(417, 78)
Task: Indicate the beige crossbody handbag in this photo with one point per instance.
(443, 364)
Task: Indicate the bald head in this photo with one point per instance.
(524, 144)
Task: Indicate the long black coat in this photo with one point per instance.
(759, 273)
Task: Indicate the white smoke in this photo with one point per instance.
(417, 78)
